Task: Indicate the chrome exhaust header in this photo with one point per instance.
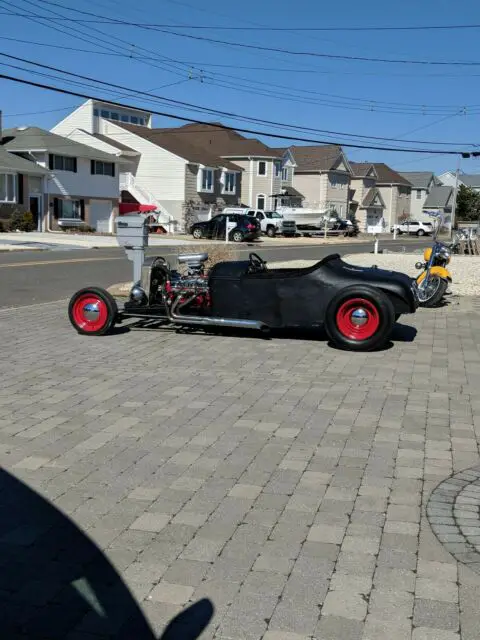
(206, 321)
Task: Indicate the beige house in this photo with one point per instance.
(366, 202)
(395, 191)
(261, 166)
(322, 177)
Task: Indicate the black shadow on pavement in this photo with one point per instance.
(54, 579)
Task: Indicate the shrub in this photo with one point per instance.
(21, 221)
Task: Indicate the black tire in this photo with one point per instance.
(271, 232)
(420, 232)
(197, 233)
(237, 236)
(106, 311)
(377, 301)
(434, 300)
(399, 232)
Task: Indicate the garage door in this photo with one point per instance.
(100, 211)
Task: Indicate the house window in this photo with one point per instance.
(285, 174)
(134, 119)
(105, 114)
(141, 121)
(95, 112)
(62, 163)
(206, 180)
(114, 116)
(125, 118)
(278, 168)
(262, 168)
(261, 201)
(419, 194)
(68, 209)
(98, 168)
(230, 182)
(8, 190)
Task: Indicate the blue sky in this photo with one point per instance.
(407, 101)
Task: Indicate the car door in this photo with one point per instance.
(218, 227)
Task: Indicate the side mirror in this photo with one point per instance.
(419, 265)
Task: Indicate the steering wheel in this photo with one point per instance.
(257, 265)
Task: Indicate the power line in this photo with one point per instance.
(368, 105)
(280, 29)
(217, 112)
(261, 47)
(277, 136)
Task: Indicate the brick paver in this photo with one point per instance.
(284, 480)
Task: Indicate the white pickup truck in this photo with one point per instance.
(271, 222)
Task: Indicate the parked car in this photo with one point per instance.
(271, 222)
(245, 228)
(415, 227)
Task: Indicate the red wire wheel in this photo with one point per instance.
(358, 319)
(92, 311)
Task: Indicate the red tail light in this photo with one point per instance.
(251, 227)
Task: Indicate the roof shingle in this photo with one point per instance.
(11, 162)
(36, 139)
(439, 198)
(180, 145)
(316, 158)
(418, 179)
(386, 175)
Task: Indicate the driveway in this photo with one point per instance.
(283, 481)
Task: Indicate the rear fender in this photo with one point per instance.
(441, 272)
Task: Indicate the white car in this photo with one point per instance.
(415, 227)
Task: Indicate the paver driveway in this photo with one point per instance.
(282, 479)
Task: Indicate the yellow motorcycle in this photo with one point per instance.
(433, 282)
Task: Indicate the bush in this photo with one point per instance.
(21, 221)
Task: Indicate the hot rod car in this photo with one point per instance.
(357, 306)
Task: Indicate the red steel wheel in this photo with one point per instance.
(92, 311)
(358, 319)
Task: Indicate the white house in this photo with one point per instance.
(180, 169)
(448, 179)
(82, 185)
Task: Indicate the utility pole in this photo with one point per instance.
(455, 192)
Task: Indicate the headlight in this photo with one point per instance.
(445, 254)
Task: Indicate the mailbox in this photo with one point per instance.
(132, 234)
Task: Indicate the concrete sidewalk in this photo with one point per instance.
(286, 481)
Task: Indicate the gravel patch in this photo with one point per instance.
(465, 269)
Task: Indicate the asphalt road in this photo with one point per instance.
(32, 277)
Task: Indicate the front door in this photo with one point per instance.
(35, 211)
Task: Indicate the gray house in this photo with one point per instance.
(21, 186)
(439, 200)
(422, 184)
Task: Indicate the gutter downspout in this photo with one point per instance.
(250, 188)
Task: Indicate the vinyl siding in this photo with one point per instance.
(337, 196)
(217, 197)
(83, 184)
(309, 185)
(403, 205)
(157, 170)
(91, 141)
(254, 185)
(81, 118)
(416, 206)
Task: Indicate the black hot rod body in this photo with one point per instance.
(357, 306)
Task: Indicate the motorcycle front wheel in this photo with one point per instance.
(431, 292)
